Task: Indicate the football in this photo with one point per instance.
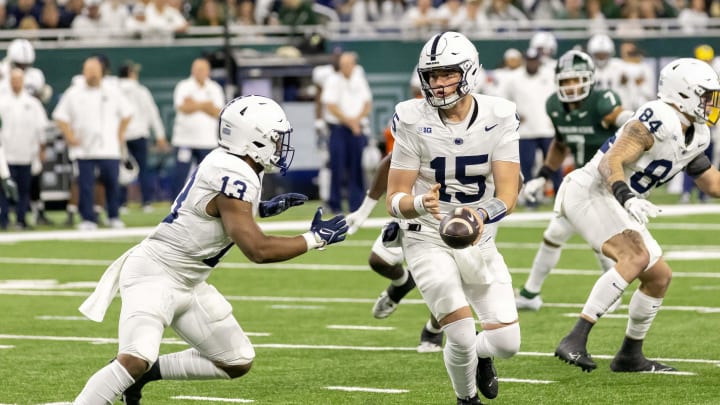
(459, 228)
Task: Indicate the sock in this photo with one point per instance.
(398, 292)
(581, 330)
(460, 356)
(105, 385)
(431, 328)
(641, 312)
(151, 375)
(605, 262)
(502, 342)
(189, 365)
(402, 280)
(71, 209)
(545, 260)
(632, 347)
(609, 287)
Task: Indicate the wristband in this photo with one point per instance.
(395, 205)
(622, 192)
(313, 240)
(546, 172)
(419, 206)
(367, 205)
(495, 209)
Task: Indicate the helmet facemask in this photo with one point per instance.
(284, 153)
(709, 108)
(576, 91)
(447, 100)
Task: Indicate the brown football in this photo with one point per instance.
(459, 228)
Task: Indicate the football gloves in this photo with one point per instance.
(641, 209)
(9, 188)
(355, 219)
(280, 203)
(328, 232)
(533, 187)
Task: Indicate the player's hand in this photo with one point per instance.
(533, 187)
(641, 209)
(331, 231)
(10, 190)
(280, 203)
(431, 201)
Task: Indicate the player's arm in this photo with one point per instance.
(239, 222)
(706, 177)
(634, 141)
(67, 132)
(377, 189)
(400, 201)
(617, 117)
(506, 176)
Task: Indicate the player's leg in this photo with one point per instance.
(494, 304)
(388, 262)
(356, 175)
(86, 190)
(438, 279)
(146, 291)
(37, 205)
(558, 231)
(644, 305)
(220, 348)
(138, 148)
(338, 150)
(431, 336)
(109, 170)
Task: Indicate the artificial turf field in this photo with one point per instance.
(317, 343)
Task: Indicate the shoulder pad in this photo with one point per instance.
(411, 111)
(503, 108)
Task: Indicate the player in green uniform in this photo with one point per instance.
(584, 119)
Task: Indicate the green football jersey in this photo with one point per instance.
(581, 129)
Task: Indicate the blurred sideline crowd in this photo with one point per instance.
(97, 19)
(110, 126)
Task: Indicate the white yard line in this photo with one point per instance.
(526, 381)
(331, 347)
(367, 389)
(359, 327)
(214, 399)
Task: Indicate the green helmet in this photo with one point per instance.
(574, 65)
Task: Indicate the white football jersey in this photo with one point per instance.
(189, 241)
(670, 154)
(459, 156)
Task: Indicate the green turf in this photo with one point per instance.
(38, 371)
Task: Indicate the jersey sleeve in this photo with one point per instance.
(659, 118)
(606, 103)
(406, 151)
(179, 94)
(329, 94)
(233, 182)
(508, 148)
(62, 110)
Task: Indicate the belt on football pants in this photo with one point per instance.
(411, 227)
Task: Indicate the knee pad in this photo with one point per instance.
(558, 231)
(461, 333)
(140, 337)
(654, 250)
(505, 341)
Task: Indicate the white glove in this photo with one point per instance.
(321, 128)
(355, 219)
(533, 187)
(640, 209)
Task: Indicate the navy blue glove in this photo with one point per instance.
(331, 231)
(280, 203)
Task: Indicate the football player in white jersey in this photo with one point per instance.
(447, 148)
(605, 201)
(162, 279)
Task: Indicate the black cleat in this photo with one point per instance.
(575, 353)
(486, 378)
(132, 395)
(430, 342)
(469, 401)
(637, 364)
(43, 220)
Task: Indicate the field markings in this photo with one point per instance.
(360, 327)
(306, 307)
(214, 399)
(525, 381)
(60, 318)
(366, 389)
(334, 347)
(6, 347)
(520, 219)
(606, 316)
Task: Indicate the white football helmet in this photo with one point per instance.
(21, 53)
(545, 42)
(448, 51)
(129, 170)
(601, 48)
(256, 126)
(693, 87)
(574, 65)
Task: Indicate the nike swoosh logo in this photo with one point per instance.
(582, 114)
(617, 286)
(488, 128)
(700, 145)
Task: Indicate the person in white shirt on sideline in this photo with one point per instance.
(23, 125)
(198, 101)
(93, 118)
(348, 100)
(162, 18)
(529, 88)
(145, 117)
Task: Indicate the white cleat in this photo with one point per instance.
(532, 304)
(428, 347)
(384, 306)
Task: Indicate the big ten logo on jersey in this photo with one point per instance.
(424, 130)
